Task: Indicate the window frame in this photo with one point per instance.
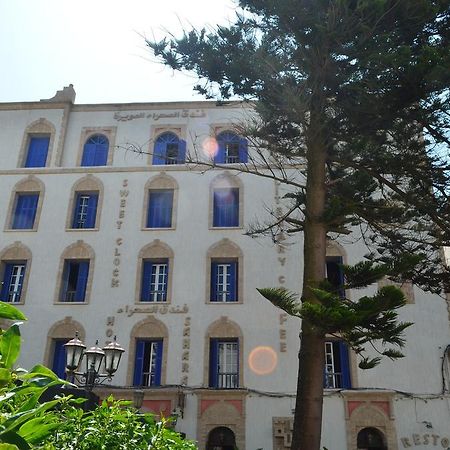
(160, 146)
(96, 159)
(148, 276)
(230, 295)
(34, 137)
(154, 192)
(232, 378)
(7, 267)
(82, 275)
(224, 139)
(142, 345)
(218, 209)
(27, 186)
(89, 215)
(86, 134)
(39, 128)
(340, 359)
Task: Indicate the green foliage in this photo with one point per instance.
(369, 320)
(114, 425)
(59, 424)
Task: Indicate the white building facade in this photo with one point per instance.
(107, 241)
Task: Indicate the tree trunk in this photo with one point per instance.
(308, 407)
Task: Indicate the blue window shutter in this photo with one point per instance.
(159, 153)
(25, 211)
(345, 365)
(83, 272)
(91, 211)
(37, 152)
(158, 363)
(6, 282)
(181, 152)
(232, 294)
(213, 362)
(214, 281)
(243, 150)
(146, 279)
(234, 219)
(160, 209)
(139, 363)
(65, 280)
(101, 154)
(76, 211)
(59, 358)
(217, 216)
(219, 157)
(88, 155)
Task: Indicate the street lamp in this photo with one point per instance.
(93, 357)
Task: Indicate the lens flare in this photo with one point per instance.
(210, 147)
(262, 360)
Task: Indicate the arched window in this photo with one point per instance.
(169, 149)
(26, 204)
(232, 149)
(15, 264)
(75, 274)
(95, 151)
(37, 144)
(370, 439)
(224, 354)
(148, 353)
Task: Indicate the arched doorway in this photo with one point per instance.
(221, 438)
(371, 439)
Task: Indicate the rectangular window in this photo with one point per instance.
(74, 281)
(224, 281)
(335, 274)
(37, 152)
(337, 369)
(154, 281)
(224, 363)
(85, 211)
(148, 362)
(59, 357)
(232, 152)
(25, 211)
(226, 207)
(12, 282)
(160, 209)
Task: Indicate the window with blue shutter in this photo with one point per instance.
(59, 357)
(335, 274)
(224, 278)
(160, 204)
(74, 281)
(148, 362)
(85, 211)
(169, 149)
(155, 274)
(224, 363)
(25, 211)
(231, 149)
(337, 368)
(226, 207)
(95, 151)
(12, 282)
(37, 151)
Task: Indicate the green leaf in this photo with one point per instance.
(283, 299)
(8, 447)
(10, 346)
(5, 376)
(8, 311)
(369, 363)
(36, 430)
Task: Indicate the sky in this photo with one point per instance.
(98, 46)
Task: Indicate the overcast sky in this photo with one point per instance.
(96, 45)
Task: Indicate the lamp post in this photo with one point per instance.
(93, 357)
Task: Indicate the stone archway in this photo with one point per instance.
(221, 438)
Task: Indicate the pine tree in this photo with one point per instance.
(358, 91)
